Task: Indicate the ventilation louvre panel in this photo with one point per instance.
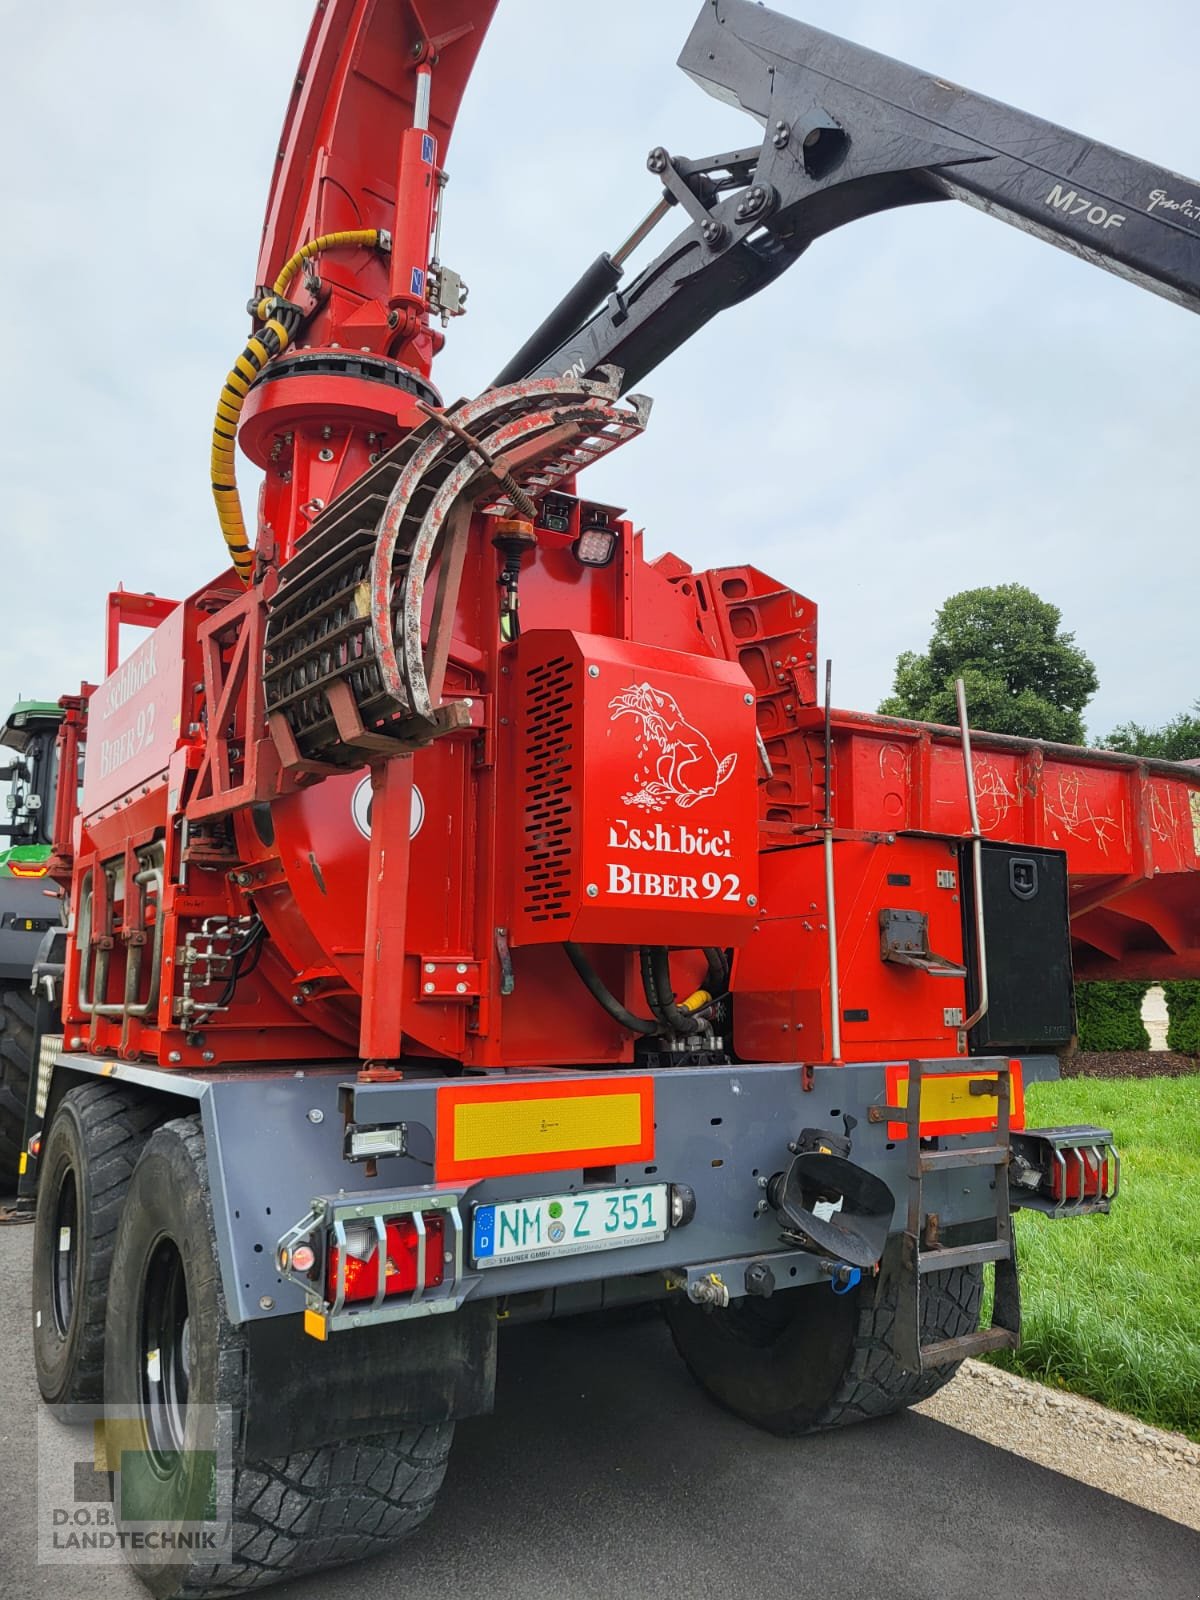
(550, 718)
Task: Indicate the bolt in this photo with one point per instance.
(325, 455)
(735, 1087)
(429, 967)
(592, 891)
(781, 136)
(751, 899)
(593, 672)
(76, 1042)
(748, 699)
(429, 988)
(658, 159)
(266, 1302)
(327, 432)
(460, 988)
(174, 1056)
(712, 233)
(297, 999)
(315, 1116)
(208, 1055)
(393, 318)
(448, 1256)
(373, 457)
(461, 966)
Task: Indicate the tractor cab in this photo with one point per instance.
(30, 732)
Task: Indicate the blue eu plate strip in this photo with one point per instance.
(485, 1231)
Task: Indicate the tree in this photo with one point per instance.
(1177, 740)
(1023, 674)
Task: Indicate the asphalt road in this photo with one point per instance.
(605, 1473)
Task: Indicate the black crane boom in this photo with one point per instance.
(849, 133)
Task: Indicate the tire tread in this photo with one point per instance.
(314, 1509)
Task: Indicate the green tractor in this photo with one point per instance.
(30, 911)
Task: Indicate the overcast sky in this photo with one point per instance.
(926, 402)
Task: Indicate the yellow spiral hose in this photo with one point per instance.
(271, 340)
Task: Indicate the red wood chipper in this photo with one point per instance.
(474, 920)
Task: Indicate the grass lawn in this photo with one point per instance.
(1111, 1305)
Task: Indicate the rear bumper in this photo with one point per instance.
(276, 1140)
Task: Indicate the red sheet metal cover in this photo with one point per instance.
(638, 799)
(134, 717)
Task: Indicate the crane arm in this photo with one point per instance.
(849, 133)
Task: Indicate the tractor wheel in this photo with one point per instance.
(16, 1064)
(807, 1359)
(88, 1159)
(172, 1354)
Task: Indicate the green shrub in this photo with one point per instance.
(1183, 1017)
(1110, 1016)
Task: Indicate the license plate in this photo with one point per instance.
(567, 1224)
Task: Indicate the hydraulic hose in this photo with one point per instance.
(261, 347)
(656, 980)
(606, 998)
(280, 321)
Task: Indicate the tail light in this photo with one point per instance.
(399, 1257)
(1064, 1172)
(1081, 1175)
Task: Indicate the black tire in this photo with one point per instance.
(807, 1359)
(17, 1016)
(299, 1514)
(88, 1159)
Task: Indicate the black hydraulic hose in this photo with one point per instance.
(656, 980)
(606, 998)
(716, 978)
(653, 997)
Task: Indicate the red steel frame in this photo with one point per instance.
(356, 926)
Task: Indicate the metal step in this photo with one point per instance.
(970, 1344)
(963, 1255)
(991, 1155)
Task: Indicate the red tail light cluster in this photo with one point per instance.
(1081, 1176)
(399, 1258)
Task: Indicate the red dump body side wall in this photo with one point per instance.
(1131, 829)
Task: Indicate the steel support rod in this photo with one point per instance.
(835, 995)
(981, 1008)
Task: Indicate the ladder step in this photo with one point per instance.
(991, 1155)
(964, 1255)
(970, 1344)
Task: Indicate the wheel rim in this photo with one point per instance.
(64, 1242)
(163, 1356)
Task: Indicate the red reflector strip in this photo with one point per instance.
(400, 1275)
(948, 1104)
(500, 1129)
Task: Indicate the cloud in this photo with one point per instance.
(926, 402)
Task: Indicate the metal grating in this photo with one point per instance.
(549, 790)
(48, 1054)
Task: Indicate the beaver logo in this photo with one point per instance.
(687, 769)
